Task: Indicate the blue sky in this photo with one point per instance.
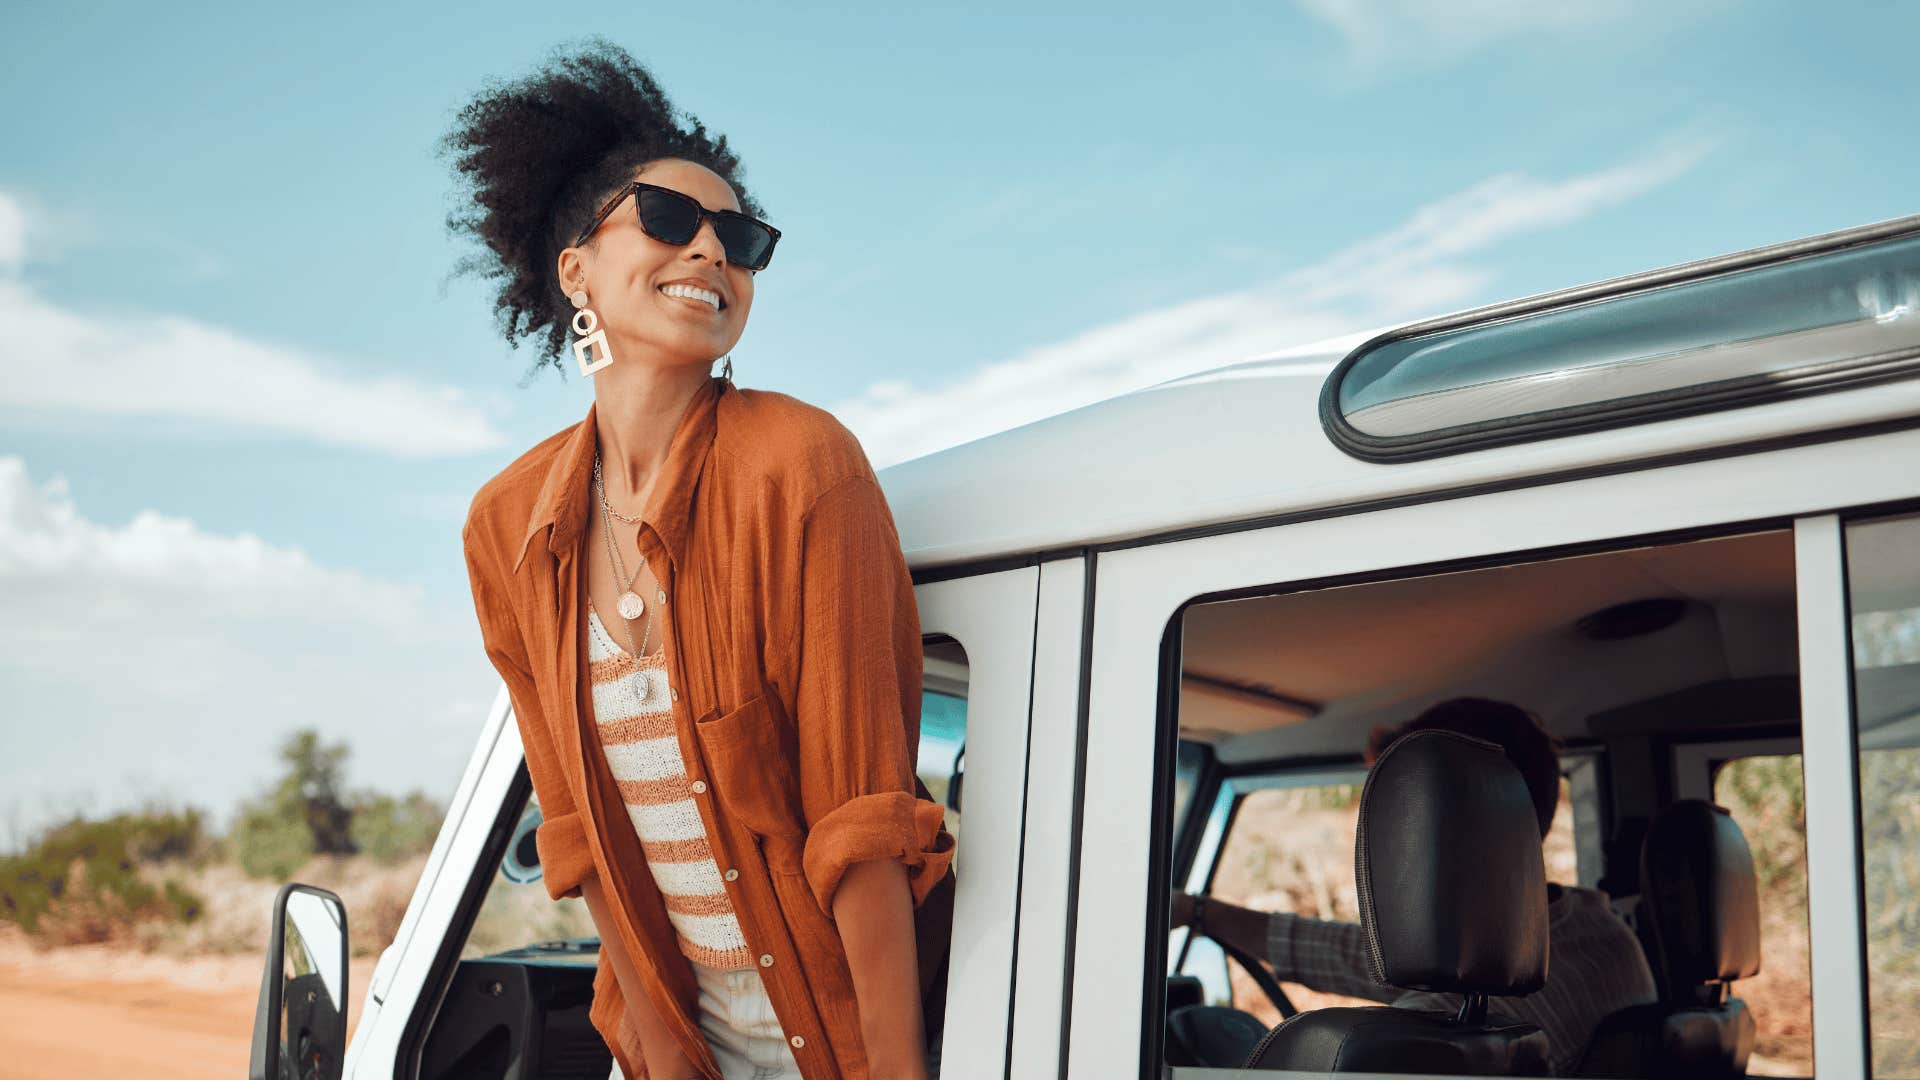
(244, 407)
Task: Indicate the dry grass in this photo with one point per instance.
(239, 909)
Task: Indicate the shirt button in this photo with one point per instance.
(699, 787)
(733, 875)
(675, 691)
(797, 1042)
(661, 596)
(766, 959)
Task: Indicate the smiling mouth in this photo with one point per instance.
(694, 294)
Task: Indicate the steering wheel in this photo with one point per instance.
(1256, 969)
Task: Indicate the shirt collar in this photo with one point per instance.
(567, 490)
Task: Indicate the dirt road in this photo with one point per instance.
(88, 1012)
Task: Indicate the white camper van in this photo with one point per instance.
(1675, 516)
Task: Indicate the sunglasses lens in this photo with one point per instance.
(667, 216)
(747, 242)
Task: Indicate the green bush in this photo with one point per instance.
(390, 829)
(269, 842)
(301, 815)
(80, 881)
(305, 813)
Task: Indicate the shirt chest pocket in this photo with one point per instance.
(750, 754)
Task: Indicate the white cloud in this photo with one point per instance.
(1420, 267)
(1398, 36)
(159, 657)
(157, 365)
(13, 235)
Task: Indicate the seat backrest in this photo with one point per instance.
(1453, 898)
(1700, 904)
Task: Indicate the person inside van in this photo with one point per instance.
(1596, 964)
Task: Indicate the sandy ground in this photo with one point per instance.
(94, 1011)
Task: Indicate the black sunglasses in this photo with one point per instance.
(674, 217)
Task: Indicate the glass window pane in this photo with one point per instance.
(943, 727)
(1766, 797)
(517, 913)
(1291, 850)
(1856, 307)
(1883, 582)
(1186, 772)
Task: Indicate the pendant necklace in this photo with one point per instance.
(631, 606)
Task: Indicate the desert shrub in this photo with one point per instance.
(303, 814)
(80, 880)
(1890, 838)
(269, 842)
(389, 829)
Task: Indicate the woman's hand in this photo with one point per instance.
(659, 1050)
(873, 908)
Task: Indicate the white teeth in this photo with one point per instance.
(693, 292)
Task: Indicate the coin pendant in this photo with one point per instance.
(631, 606)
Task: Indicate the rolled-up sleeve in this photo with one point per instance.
(858, 698)
(561, 839)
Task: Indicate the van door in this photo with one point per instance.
(980, 634)
(1119, 922)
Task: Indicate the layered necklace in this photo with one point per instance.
(630, 604)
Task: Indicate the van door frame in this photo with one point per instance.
(1136, 642)
(992, 616)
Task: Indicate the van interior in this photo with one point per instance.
(1667, 676)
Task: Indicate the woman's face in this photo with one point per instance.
(625, 270)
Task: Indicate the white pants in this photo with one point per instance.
(738, 1020)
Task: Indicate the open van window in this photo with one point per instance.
(1619, 655)
(1766, 794)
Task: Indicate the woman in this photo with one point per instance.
(736, 806)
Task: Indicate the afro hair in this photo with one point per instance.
(541, 154)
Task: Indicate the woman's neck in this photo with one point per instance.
(635, 417)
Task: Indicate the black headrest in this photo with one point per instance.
(1698, 886)
(1453, 891)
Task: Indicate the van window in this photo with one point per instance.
(1186, 773)
(1883, 579)
(1608, 657)
(517, 912)
(1767, 798)
(943, 726)
(1821, 320)
(1291, 851)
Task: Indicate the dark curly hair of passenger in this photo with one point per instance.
(541, 154)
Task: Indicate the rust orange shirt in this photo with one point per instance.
(793, 644)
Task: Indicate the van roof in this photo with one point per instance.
(1246, 441)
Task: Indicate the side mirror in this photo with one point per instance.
(300, 1030)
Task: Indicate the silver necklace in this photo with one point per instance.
(620, 571)
(630, 604)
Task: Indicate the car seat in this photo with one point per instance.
(1453, 898)
(1700, 901)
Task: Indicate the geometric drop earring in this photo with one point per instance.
(586, 324)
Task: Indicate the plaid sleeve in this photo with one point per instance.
(1327, 956)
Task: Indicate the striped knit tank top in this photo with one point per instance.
(636, 732)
